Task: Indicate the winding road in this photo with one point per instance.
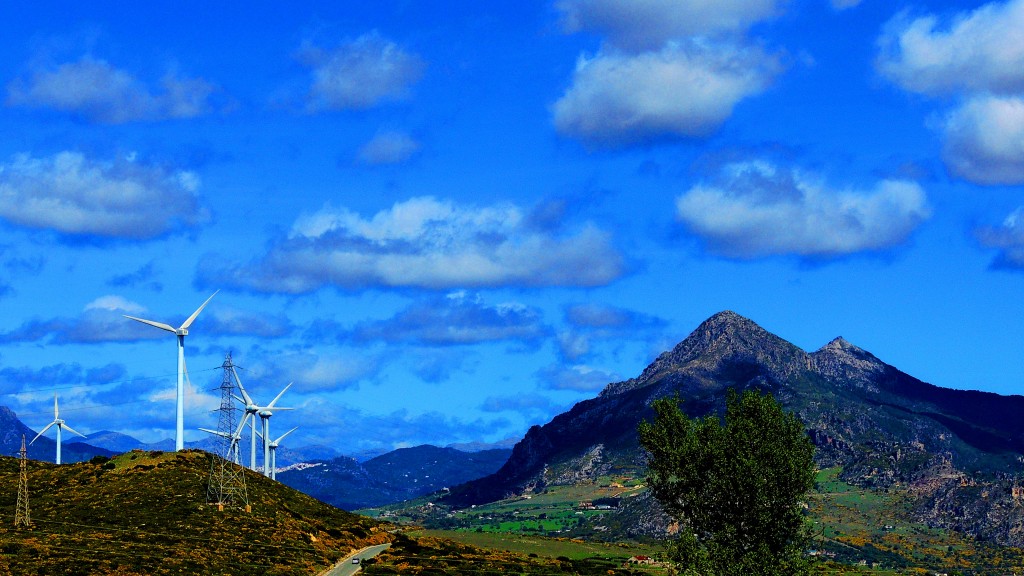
(346, 568)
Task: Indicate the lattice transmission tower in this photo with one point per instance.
(227, 477)
(21, 517)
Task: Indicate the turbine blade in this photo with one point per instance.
(278, 397)
(42, 431)
(246, 399)
(72, 430)
(55, 416)
(159, 325)
(196, 313)
(241, 425)
(215, 432)
(281, 437)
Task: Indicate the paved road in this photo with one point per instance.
(347, 568)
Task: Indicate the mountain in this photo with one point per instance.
(392, 477)
(886, 429)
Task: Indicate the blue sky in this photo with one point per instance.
(448, 221)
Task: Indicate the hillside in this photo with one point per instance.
(882, 427)
(146, 513)
(397, 475)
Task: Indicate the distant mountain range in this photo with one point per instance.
(398, 475)
(886, 429)
(316, 470)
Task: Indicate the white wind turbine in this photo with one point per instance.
(60, 426)
(180, 332)
(235, 438)
(273, 452)
(264, 412)
(251, 409)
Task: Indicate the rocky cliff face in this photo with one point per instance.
(884, 427)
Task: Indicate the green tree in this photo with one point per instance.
(736, 488)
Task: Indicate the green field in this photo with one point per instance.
(851, 526)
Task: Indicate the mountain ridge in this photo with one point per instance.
(885, 428)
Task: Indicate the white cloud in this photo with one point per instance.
(984, 140)
(360, 74)
(1009, 239)
(73, 195)
(982, 50)
(426, 243)
(650, 23)
(679, 91)
(388, 148)
(94, 89)
(116, 303)
(760, 210)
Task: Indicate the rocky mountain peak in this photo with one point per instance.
(725, 338)
(838, 343)
(843, 361)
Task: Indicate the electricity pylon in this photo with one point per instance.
(21, 517)
(227, 478)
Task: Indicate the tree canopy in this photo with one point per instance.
(736, 488)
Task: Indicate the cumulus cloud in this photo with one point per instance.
(310, 372)
(102, 320)
(99, 92)
(76, 196)
(984, 140)
(977, 51)
(682, 90)
(231, 321)
(649, 23)
(360, 74)
(758, 209)
(580, 378)
(978, 58)
(424, 243)
(388, 148)
(1008, 238)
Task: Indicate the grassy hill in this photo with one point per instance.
(146, 513)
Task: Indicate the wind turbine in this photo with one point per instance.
(264, 412)
(251, 409)
(60, 426)
(180, 332)
(235, 439)
(273, 452)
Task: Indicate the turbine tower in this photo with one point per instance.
(60, 426)
(273, 452)
(180, 332)
(265, 413)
